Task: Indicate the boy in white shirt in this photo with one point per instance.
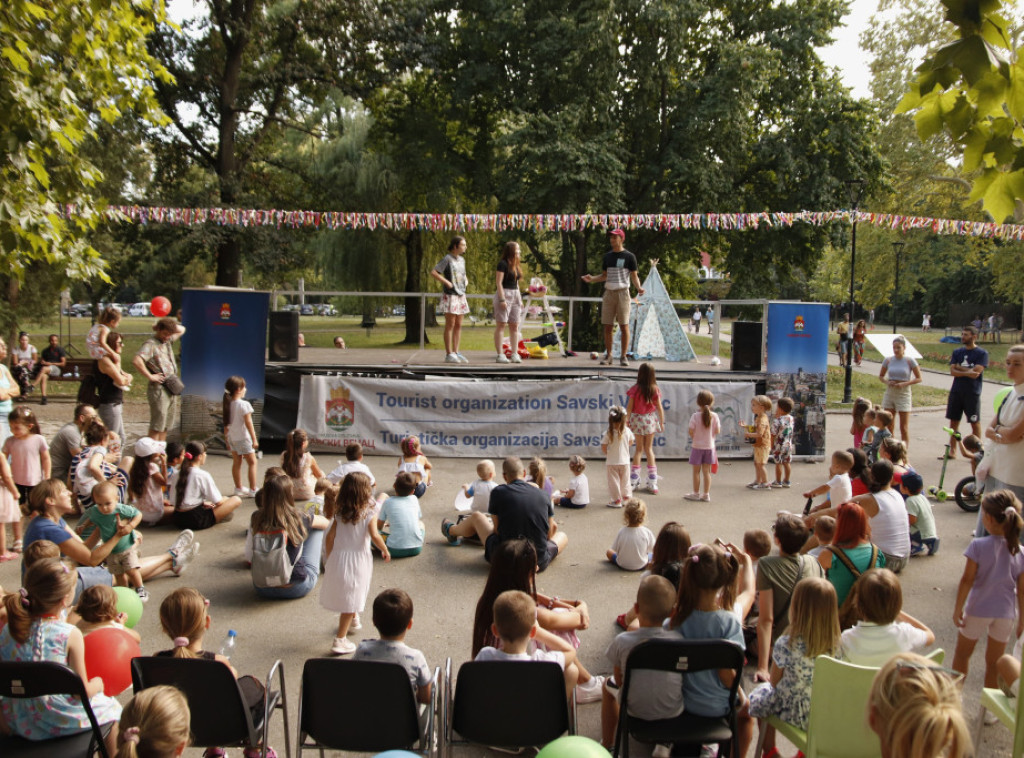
(839, 487)
(353, 462)
(577, 493)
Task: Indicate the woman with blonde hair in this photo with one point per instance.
(914, 708)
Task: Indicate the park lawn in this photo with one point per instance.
(868, 385)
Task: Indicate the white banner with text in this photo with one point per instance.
(493, 419)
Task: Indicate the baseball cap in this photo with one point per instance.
(147, 446)
(617, 233)
(913, 482)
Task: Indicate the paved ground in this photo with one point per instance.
(445, 581)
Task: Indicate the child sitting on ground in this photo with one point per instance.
(632, 547)
(883, 628)
(353, 462)
(537, 475)
(392, 616)
(577, 493)
(480, 490)
(919, 511)
(653, 694)
(97, 609)
(670, 550)
(824, 532)
(839, 487)
(515, 624)
(415, 462)
(402, 514)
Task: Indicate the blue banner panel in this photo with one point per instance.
(227, 335)
(797, 365)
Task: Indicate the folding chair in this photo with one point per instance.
(798, 736)
(39, 678)
(506, 704)
(362, 706)
(220, 716)
(684, 657)
(1010, 712)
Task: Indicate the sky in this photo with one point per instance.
(846, 55)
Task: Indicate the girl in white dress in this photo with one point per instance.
(348, 562)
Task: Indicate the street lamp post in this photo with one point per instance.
(897, 247)
(855, 187)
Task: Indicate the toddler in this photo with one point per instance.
(415, 462)
(632, 547)
(860, 408)
(615, 444)
(919, 510)
(653, 694)
(96, 338)
(480, 490)
(762, 438)
(824, 533)
(29, 456)
(315, 505)
(402, 515)
(839, 487)
(111, 517)
(782, 442)
(703, 427)
(867, 437)
(353, 462)
(577, 493)
(392, 616)
(10, 513)
(883, 628)
(883, 421)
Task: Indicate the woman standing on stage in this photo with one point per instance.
(508, 301)
(451, 273)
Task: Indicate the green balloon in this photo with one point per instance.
(998, 399)
(128, 603)
(573, 746)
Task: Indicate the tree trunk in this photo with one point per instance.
(414, 283)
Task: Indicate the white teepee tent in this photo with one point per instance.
(655, 330)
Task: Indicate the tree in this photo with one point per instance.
(66, 66)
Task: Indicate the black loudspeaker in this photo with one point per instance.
(283, 341)
(746, 346)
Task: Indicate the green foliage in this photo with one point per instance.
(66, 68)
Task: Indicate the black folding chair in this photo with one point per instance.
(682, 657)
(220, 716)
(506, 704)
(362, 706)
(38, 678)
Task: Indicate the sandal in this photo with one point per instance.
(16, 547)
(621, 621)
(6, 556)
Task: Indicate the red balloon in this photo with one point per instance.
(108, 655)
(160, 306)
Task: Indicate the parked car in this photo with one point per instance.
(77, 311)
(326, 309)
(140, 309)
(306, 309)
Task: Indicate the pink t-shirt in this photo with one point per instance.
(26, 465)
(704, 436)
(639, 404)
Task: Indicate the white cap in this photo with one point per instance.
(147, 446)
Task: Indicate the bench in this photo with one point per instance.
(73, 371)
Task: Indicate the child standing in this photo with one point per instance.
(762, 439)
(108, 515)
(29, 456)
(919, 510)
(415, 462)
(480, 490)
(198, 503)
(240, 434)
(615, 444)
(147, 479)
(577, 493)
(860, 407)
(782, 442)
(813, 631)
(703, 428)
(991, 592)
(646, 418)
(632, 547)
(35, 632)
(353, 462)
(402, 514)
(348, 562)
(451, 273)
(9, 512)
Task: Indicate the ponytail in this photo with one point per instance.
(294, 444)
(1004, 507)
(154, 724)
(232, 387)
(45, 585)
(704, 401)
(192, 452)
(705, 568)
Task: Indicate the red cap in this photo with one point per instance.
(617, 233)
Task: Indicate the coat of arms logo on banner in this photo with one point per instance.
(339, 410)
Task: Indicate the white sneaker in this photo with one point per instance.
(590, 691)
(990, 718)
(452, 358)
(462, 358)
(243, 492)
(142, 593)
(615, 504)
(516, 358)
(186, 538)
(180, 561)
(502, 359)
(356, 624)
(343, 646)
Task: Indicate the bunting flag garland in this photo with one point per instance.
(546, 222)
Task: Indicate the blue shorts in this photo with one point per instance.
(966, 404)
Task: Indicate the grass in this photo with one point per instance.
(868, 385)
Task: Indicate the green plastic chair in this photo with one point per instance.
(837, 726)
(1009, 712)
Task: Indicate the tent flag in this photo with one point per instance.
(655, 330)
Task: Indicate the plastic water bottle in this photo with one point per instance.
(228, 648)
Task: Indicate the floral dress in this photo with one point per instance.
(790, 700)
(782, 433)
(41, 718)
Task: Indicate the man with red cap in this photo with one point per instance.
(619, 268)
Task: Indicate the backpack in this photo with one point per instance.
(271, 564)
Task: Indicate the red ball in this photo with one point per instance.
(160, 306)
(108, 655)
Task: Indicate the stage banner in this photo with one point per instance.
(226, 335)
(797, 368)
(493, 419)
